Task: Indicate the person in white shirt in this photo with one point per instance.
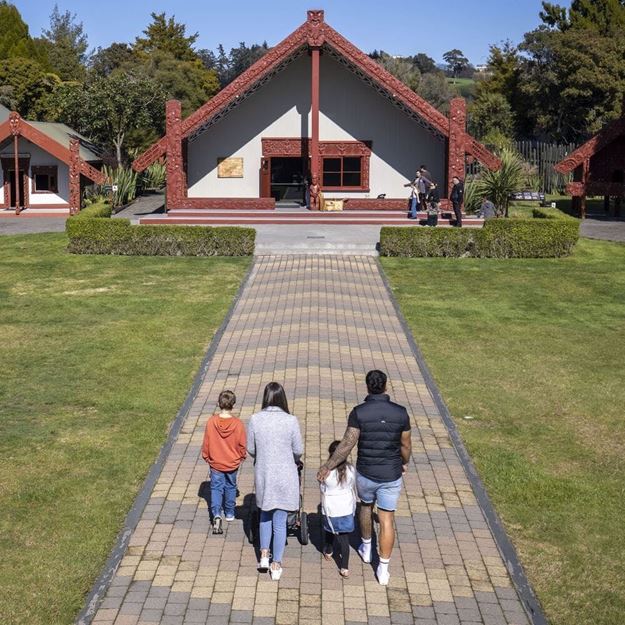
(338, 505)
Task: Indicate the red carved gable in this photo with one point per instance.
(315, 33)
(593, 146)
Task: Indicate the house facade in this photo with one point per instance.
(42, 164)
(313, 107)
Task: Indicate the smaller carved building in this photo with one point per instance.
(598, 168)
(42, 164)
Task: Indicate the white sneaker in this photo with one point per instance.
(229, 518)
(383, 575)
(364, 551)
(275, 573)
(263, 565)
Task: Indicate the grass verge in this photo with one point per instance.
(97, 355)
(533, 351)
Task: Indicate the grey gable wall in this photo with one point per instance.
(349, 109)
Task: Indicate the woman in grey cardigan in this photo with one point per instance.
(274, 441)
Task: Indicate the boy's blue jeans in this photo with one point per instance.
(223, 492)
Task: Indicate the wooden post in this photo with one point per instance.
(585, 178)
(457, 141)
(314, 139)
(74, 176)
(16, 153)
(176, 184)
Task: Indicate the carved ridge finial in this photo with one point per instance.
(316, 16)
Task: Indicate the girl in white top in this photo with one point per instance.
(338, 505)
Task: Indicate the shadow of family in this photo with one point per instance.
(306, 527)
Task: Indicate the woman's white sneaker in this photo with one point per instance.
(276, 572)
(263, 564)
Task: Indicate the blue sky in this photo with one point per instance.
(397, 26)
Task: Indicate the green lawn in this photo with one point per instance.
(97, 355)
(534, 350)
(464, 86)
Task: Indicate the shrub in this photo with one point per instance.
(499, 186)
(125, 178)
(155, 176)
(118, 237)
(499, 238)
(550, 213)
(99, 210)
(527, 238)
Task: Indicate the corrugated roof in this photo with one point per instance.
(4, 113)
(62, 134)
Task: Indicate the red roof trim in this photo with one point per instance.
(603, 138)
(315, 32)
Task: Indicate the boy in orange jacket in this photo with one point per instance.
(224, 448)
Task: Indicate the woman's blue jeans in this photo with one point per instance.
(223, 492)
(413, 207)
(273, 522)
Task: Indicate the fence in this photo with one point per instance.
(542, 156)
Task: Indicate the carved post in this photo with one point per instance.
(457, 140)
(175, 171)
(15, 122)
(585, 178)
(314, 140)
(315, 23)
(74, 176)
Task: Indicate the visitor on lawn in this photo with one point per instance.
(274, 440)
(487, 209)
(224, 449)
(457, 197)
(381, 429)
(338, 505)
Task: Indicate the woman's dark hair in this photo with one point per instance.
(376, 382)
(341, 469)
(274, 395)
(227, 399)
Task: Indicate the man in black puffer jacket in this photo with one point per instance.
(381, 429)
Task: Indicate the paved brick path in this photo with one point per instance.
(317, 324)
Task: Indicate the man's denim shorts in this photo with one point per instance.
(384, 494)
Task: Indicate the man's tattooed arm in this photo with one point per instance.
(350, 440)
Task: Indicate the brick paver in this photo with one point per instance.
(316, 324)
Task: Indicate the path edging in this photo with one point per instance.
(100, 587)
(528, 598)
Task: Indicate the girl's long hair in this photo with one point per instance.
(341, 469)
(274, 395)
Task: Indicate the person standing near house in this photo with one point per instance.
(223, 449)
(433, 205)
(457, 198)
(414, 196)
(425, 182)
(274, 440)
(381, 430)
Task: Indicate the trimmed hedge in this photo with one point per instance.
(95, 210)
(499, 238)
(550, 213)
(118, 237)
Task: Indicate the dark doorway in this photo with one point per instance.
(288, 175)
(13, 199)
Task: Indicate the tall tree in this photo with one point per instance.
(106, 60)
(603, 17)
(573, 81)
(424, 63)
(436, 90)
(107, 109)
(401, 68)
(456, 61)
(15, 40)
(490, 113)
(25, 84)
(166, 35)
(67, 44)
